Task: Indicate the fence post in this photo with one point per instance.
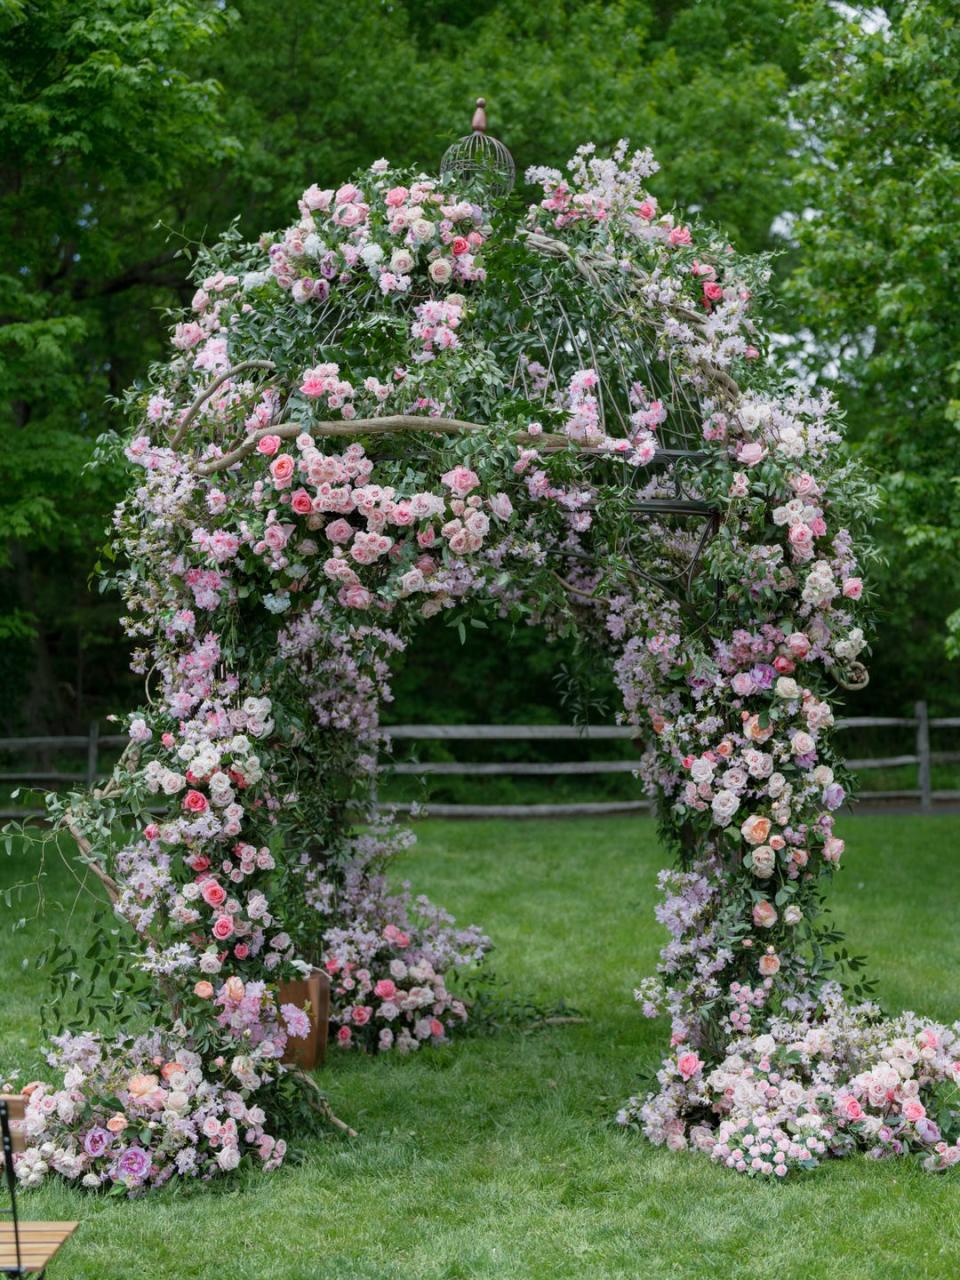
(923, 755)
(92, 747)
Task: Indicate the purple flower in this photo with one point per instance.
(762, 675)
(834, 795)
(133, 1165)
(97, 1141)
(298, 1024)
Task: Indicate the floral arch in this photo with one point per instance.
(409, 403)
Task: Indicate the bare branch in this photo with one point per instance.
(201, 399)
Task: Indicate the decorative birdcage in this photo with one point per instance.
(479, 159)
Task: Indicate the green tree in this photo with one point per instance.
(101, 124)
(877, 254)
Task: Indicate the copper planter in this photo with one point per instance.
(312, 995)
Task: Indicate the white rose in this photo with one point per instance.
(792, 915)
(402, 261)
(802, 744)
(421, 229)
(823, 775)
(787, 687)
(764, 861)
(440, 271)
(702, 770)
(724, 805)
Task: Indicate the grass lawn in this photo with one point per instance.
(496, 1157)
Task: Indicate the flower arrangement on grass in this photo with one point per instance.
(405, 405)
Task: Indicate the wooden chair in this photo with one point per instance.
(25, 1247)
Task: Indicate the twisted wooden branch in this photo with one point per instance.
(177, 437)
(549, 441)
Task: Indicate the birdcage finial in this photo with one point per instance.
(479, 160)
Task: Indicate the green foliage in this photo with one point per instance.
(101, 123)
(877, 253)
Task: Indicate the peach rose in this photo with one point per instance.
(755, 829)
(769, 964)
(233, 989)
(117, 1123)
(764, 914)
(204, 990)
(140, 1086)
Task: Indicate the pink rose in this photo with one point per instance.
(742, 684)
(315, 199)
(301, 502)
(853, 588)
(688, 1064)
(281, 468)
(800, 536)
(436, 1028)
(340, 531)
(344, 1035)
(798, 644)
(764, 914)
(647, 209)
(461, 480)
(913, 1110)
(355, 596)
(395, 197)
(712, 291)
(385, 989)
(222, 928)
(750, 453)
(268, 445)
(833, 847)
(195, 802)
(680, 235)
(213, 894)
(460, 246)
(362, 1015)
(851, 1109)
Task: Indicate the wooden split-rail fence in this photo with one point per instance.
(922, 758)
